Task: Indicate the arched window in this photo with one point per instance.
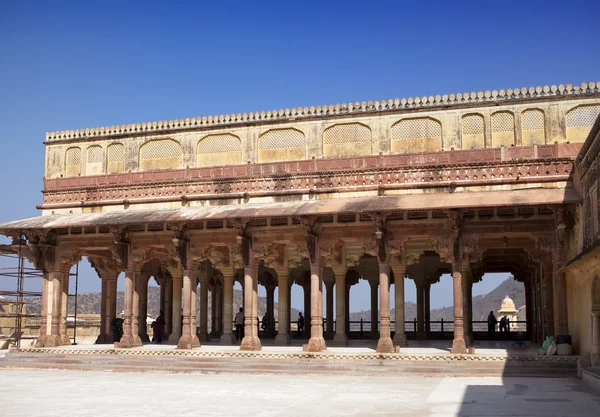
(532, 127)
(73, 162)
(215, 150)
(423, 134)
(579, 122)
(348, 139)
(116, 158)
(160, 154)
(281, 145)
(503, 129)
(473, 132)
(94, 160)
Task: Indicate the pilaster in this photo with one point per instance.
(316, 343)
(340, 338)
(385, 344)
(399, 274)
(251, 341)
(203, 328)
(176, 320)
(283, 331)
(228, 338)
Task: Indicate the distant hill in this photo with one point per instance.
(482, 304)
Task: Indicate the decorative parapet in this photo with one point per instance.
(297, 113)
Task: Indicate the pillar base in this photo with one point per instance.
(48, 341)
(459, 346)
(203, 337)
(195, 342)
(185, 342)
(385, 345)
(65, 340)
(340, 340)
(227, 339)
(127, 342)
(174, 338)
(250, 343)
(316, 344)
(400, 339)
(282, 339)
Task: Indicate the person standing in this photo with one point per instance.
(300, 323)
(492, 321)
(239, 325)
(159, 325)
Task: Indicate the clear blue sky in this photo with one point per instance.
(69, 65)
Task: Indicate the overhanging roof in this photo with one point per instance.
(536, 196)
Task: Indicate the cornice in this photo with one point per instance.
(306, 113)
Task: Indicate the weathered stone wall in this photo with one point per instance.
(471, 121)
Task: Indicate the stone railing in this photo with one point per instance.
(445, 100)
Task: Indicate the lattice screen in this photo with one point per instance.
(116, 152)
(163, 148)
(219, 143)
(582, 116)
(503, 122)
(73, 162)
(472, 124)
(281, 138)
(346, 133)
(94, 154)
(532, 119)
(416, 129)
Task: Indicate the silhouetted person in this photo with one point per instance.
(239, 324)
(116, 325)
(491, 324)
(504, 325)
(265, 322)
(159, 326)
(300, 323)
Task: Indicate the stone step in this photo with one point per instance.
(343, 365)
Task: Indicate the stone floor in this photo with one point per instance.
(431, 347)
(67, 393)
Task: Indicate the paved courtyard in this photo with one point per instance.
(66, 393)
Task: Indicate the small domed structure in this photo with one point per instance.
(508, 309)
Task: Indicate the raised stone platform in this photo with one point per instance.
(292, 360)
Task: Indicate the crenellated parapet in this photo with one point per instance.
(519, 117)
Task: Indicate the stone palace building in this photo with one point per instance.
(321, 196)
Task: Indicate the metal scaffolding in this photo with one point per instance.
(16, 322)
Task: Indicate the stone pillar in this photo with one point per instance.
(347, 308)
(168, 309)
(374, 311)
(228, 338)
(561, 325)
(176, 316)
(427, 308)
(203, 331)
(45, 313)
(316, 343)
(307, 311)
(128, 340)
(421, 310)
(213, 310)
(548, 299)
(218, 309)
(470, 310)
(135, 309)
(64, 303)
(340, 338)
(185, 340)
(458, 344)
(108, 310)
(270, 310)
(51, 297)
(385, 344)
(529, 305)
(251, 341)
(143, 312)
(193, 308)
(399, 273)
(283, 297)
(329, 303)
(595, 338)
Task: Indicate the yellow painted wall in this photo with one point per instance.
(282, 154)
(218, 158)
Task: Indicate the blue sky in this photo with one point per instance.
(69, 65)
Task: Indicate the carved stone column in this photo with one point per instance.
(176, 317)
(421, 310)
(329, 303)
(108, 307)
(128, 340)
(228, 338)
(385, 344)
(168, 309)
(347, 307)
(427, 308)
(203, 331)
(135, 309)
(218, 329)
(399, 274)
(51, 297)
(548, 299)
(46, 314)
(316, 343)
(143, 312)
(595, 338)
(374, 311)
(193, 307)
(561, 324)
(340, 338)
(283, 331)
(64, 303)
(458, 344)
(251, 341)
(185, 341)
(270, 310)
(307, 309)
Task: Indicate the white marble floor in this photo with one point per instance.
(70, 393)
